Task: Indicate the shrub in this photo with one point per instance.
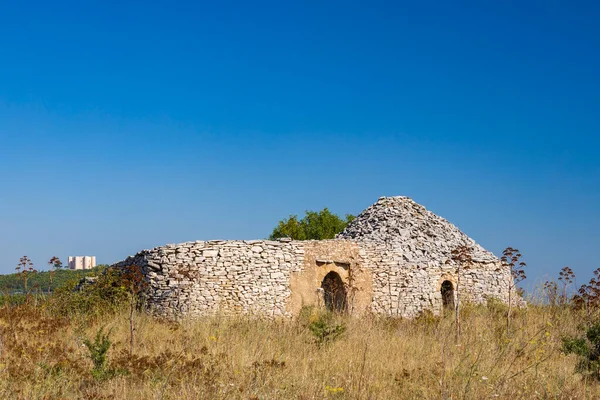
(98, 353)
(324, 325)
(325, 328)
(108, 293)
(326, 331)
(587, 348)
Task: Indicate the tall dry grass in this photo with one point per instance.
(42, 356)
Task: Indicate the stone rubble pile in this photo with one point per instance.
(419, 234)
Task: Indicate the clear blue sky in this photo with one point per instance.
(126, 125)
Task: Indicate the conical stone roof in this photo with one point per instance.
(419, 234)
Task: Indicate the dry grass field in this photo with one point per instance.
(43, 355)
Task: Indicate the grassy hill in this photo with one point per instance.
(44, 280)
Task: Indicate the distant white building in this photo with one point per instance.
(82, 262)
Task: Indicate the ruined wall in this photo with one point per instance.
(403, 288)
(392, 259)
(278, 278)
(273, 278)
(199, 278)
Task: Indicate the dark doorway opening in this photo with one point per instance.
(447, 295)
(334, 292)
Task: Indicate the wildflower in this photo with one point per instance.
(333, 390)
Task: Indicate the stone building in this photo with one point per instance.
(82, 262)
(394, 259)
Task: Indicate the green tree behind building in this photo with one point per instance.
(315, 225)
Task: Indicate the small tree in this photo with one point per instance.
(462, 259)
(56, 265)
(135, 282)
(314, 226)
(588, 296)
(566, 277)
(98, 353)
(511, 258)
(25, 269)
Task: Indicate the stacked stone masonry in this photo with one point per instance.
(392, 259)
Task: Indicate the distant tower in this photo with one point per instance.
(82, 262)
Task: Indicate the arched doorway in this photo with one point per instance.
(447, 295)
(334, 292)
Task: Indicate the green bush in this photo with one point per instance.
(12, 299)
(587, 348)
(324, 325)
(326, 330)
(98, 353)
(108, 293)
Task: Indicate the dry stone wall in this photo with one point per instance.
(393, 259)
(206, 277)
(273, 278)
(406, 289)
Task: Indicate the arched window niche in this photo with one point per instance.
(334, 292)
(447, 291)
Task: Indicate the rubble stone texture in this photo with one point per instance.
(392, 259)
